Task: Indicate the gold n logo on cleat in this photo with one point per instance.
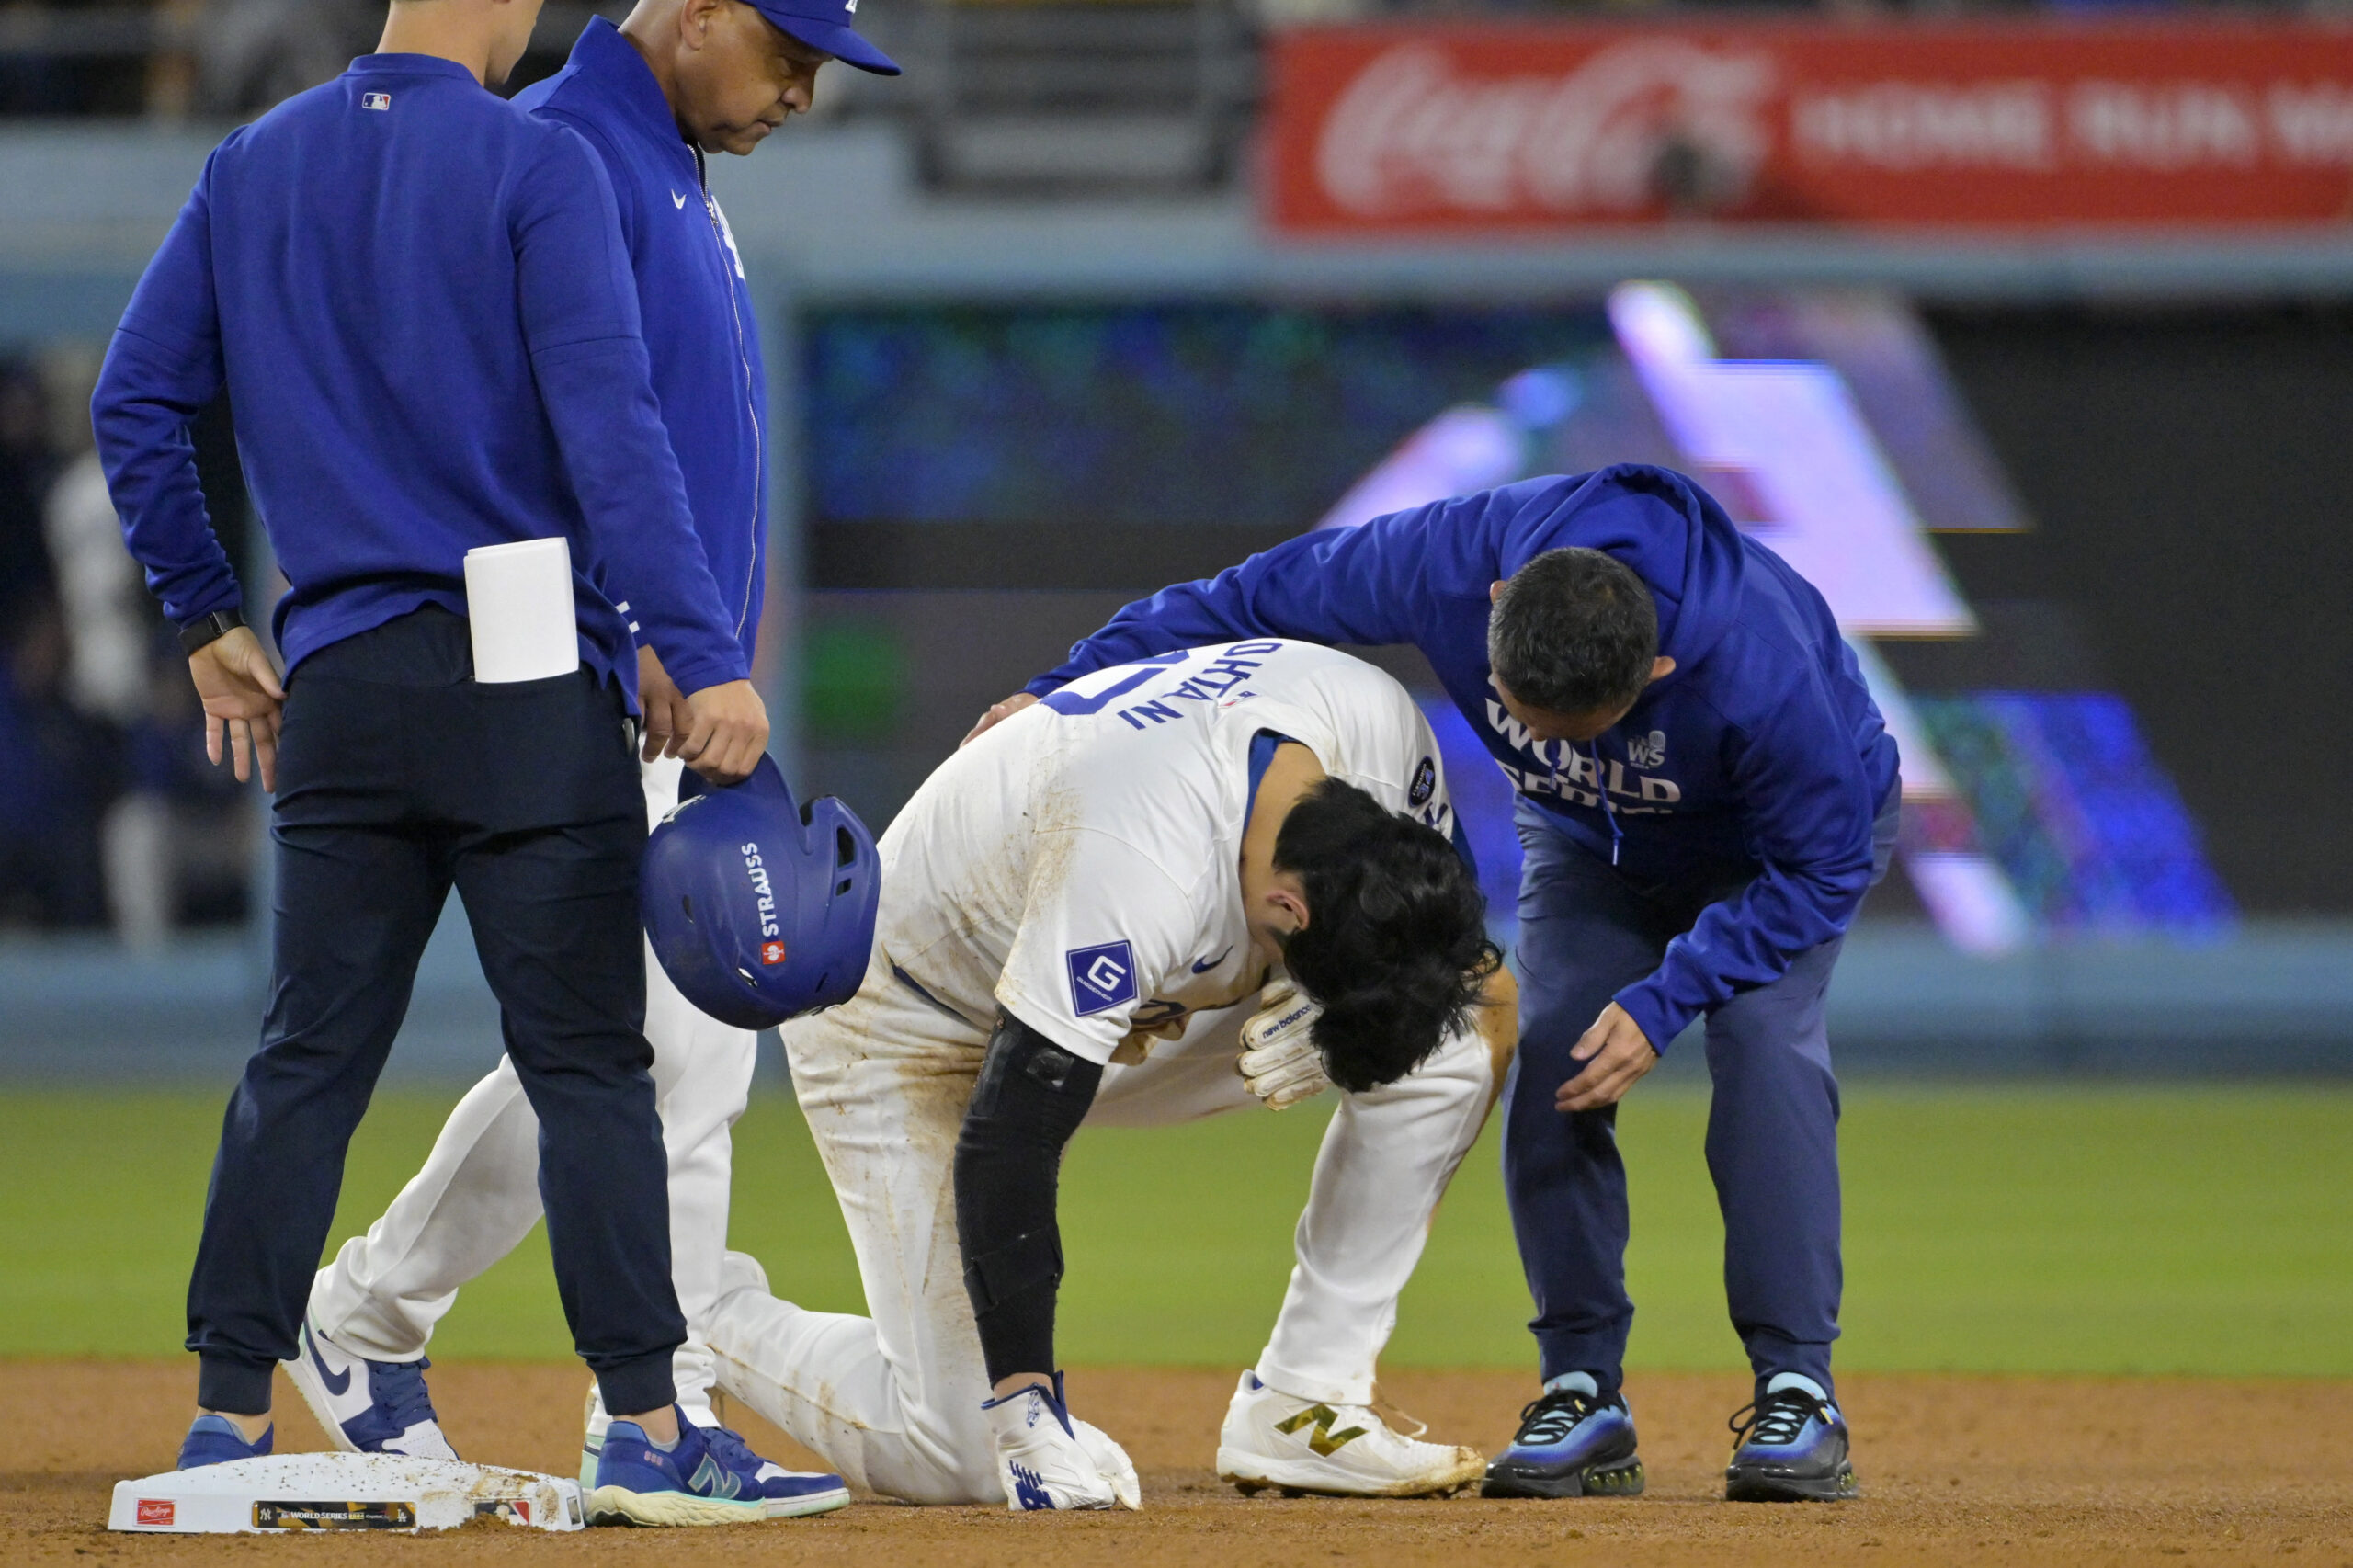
(1324, 1442)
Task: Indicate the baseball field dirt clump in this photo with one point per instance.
(1956, 1470)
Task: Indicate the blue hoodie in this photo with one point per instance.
(418, 301)
(701, 336)
(1762, 755)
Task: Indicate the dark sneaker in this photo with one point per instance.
(1571, 1444)
(1789, 1447)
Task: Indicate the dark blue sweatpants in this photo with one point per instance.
(399, 779)
(1586, 933)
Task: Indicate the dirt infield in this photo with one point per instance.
(1954, 1469)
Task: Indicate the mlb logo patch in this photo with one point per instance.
(156, 1512)
(771, 953)
(1101, 977)
(376, 100)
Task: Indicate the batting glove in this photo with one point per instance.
(1047, 1459)
(1279, 1062)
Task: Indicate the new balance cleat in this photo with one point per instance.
(1569, 1444)
(1049, 1460)
(787, 1494)
(1790, 1447)
(367, 1408)
(1302, 1446)
(709, 1477)
(215, 1440)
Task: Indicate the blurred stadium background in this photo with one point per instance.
(2027, 331)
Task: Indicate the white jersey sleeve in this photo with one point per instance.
(1105, 929)
(1366, 731)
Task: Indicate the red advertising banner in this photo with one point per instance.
(1402, 128)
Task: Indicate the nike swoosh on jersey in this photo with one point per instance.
(677, 200)
(1202, 965)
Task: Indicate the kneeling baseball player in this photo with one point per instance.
(1087, 916)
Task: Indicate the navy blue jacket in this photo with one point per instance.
(700, 335)
(1762, 754)
(419, 302)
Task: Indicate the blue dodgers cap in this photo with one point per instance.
(824, 24)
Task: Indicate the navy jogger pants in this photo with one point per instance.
(1586, 933)
(400, 778)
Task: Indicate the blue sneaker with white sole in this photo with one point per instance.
(214, 1439)
(1790, 1446)
(367, 1408)
(710, 1477)
(1573, 1442)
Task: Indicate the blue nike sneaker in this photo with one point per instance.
(214, 1439)
(1571, 1444)
(367, 1408)
(712, 1477)
(1790, 1447)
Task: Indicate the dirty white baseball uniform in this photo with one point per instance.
(1078, 866)
(478, 1194)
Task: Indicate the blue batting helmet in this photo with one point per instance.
(760, 910)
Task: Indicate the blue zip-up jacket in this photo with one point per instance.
(1762, 753)
(419, 302)
(700, 335)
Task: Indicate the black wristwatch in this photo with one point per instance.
(197, 634)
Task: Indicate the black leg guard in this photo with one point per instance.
(1031, 1096)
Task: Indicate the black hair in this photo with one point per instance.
(1574, 631)
(1395, 946)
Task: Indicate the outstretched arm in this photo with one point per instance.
(1811, 813)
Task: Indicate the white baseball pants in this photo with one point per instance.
(892, 1401)
(478, 1195)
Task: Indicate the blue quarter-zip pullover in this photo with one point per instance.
(419, 302)
(700, 333)
(1762, 754)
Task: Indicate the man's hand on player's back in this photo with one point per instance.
(996, 715)
(727, 732)
(242, 697)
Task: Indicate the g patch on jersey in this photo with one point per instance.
(1101, 977)
(1424, 783)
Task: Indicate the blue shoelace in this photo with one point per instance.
(730, 1450)
(400, 1393)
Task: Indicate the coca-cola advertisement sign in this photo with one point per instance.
(1413, 129)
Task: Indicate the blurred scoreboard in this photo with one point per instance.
(1825, 421)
